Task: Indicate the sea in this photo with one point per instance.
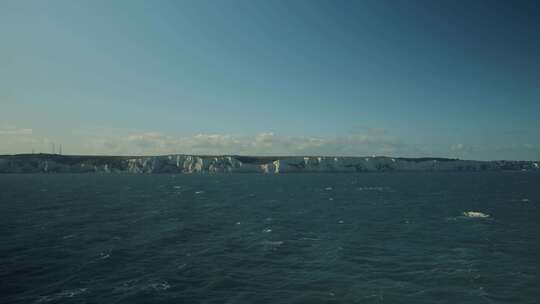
(418, 237)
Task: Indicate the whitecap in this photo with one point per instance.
(328, 188)
(475, 214)
(159, 286)
(373, 188)
(63, 294)
(309, 239)
(272, 243)
(71, 293)
(182, 266)
(199, 192)
(267, 230)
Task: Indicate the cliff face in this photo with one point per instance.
(47, 163)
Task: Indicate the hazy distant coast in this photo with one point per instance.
(53, 163)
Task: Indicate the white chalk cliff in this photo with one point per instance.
(33, 163)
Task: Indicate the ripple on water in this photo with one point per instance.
(373, 188)
(104, 255)
(391, 246)
(143, 285)
(158, 286)
(63, 294)
(272, 243)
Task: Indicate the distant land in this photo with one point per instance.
(180, 163)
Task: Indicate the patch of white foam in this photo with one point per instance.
(267, 230)
(63, 294)
(309, 239)
(272, 243)
(182, 266)
(159, 286)
(376, 188)
(475, 214)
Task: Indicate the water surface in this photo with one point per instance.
(253, 238)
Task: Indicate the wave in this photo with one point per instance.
(63, 294)
(475, 214)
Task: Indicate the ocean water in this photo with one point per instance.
(248, 238)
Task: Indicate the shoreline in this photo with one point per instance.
(186, 164)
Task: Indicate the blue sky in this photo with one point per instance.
(401, 78)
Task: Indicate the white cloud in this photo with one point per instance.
(13, 130)
(457, 147)
(264, 140)
(364, 141)
(14, 139)
(265, 143)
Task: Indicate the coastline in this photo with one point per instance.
(185, 164)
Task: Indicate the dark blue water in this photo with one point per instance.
(299, 238)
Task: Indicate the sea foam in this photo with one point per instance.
(475, 214)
